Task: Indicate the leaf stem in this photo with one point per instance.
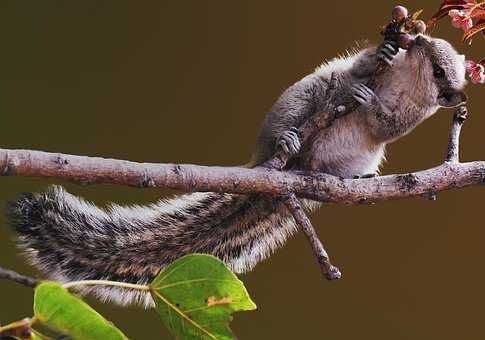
(106, 283)
(27, 322)
(41, 335)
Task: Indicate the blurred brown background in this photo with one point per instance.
(190, 81)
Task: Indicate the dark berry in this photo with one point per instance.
(399, 13)
(405, 40)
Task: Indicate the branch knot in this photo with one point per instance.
(407, 182)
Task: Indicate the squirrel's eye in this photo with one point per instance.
(438, 71)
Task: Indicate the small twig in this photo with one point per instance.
(7, 274)
(329, 271)
(453, 155)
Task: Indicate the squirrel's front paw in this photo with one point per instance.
(289, 141)
(364, 95)
(387, 51)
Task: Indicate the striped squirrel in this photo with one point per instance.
(71, 239)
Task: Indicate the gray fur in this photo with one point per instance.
(71, 239)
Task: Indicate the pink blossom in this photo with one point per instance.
(461, 19)
(476, 72)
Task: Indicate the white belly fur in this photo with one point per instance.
(346, 152)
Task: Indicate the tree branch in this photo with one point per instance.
(459, 118)
(329, 271)
(310, 185)
(7, 274)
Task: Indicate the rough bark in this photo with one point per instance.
(316, 186)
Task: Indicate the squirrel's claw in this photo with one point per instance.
(363, 94)
(387, 51)
(290, 142)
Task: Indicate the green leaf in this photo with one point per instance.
(57, 308)
(196, 295)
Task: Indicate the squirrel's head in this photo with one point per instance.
(440, 68)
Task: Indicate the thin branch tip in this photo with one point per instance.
(7, 274)
(459, 118)
(328, 269)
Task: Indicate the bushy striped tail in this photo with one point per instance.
(70, 239)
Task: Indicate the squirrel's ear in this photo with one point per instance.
(452, 98)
